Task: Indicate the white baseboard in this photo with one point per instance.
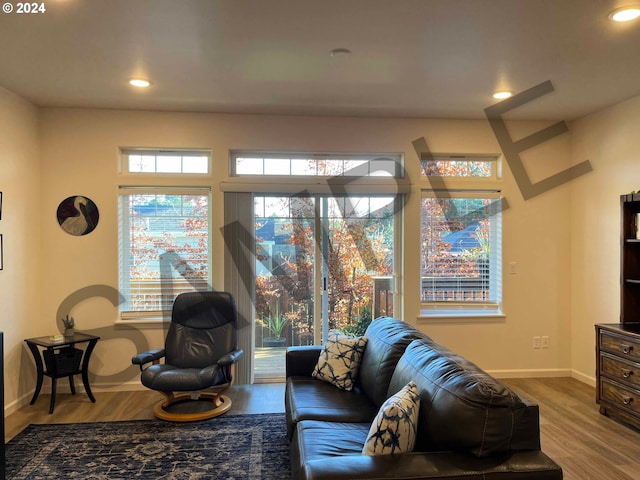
(63, 387)
(544, 373)
(17, 404)
(532, 373)
(135, 385)
(583, 378)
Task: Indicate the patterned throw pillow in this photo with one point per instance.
(339, 360)
(395, 427)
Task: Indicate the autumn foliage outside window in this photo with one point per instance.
(360, 246)
(461, 167)
(460, 238)
(456, 243)
(164, 246)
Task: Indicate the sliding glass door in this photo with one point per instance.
(322, 262)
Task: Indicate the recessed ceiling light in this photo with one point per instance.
(140, 82)
(340, 52)
(502, 95)
(625, 14)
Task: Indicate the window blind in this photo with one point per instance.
(163, 246)
(461, 250)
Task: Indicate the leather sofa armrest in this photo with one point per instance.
(533, 465)
(300, 361)
(526, 433)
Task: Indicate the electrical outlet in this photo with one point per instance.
(536, 342)
(544, 342)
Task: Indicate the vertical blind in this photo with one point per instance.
(239, 273)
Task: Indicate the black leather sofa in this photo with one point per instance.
(470, 425)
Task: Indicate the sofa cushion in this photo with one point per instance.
(332, 438)
(394, 428)
(309, 399)
(318, 453)
(339, 360)
(462, 408)
(387, 339)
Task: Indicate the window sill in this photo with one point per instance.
(143, 322)
(458, 316)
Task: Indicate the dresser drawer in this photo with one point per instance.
(619, 345)
(619, 369)
(620, 396)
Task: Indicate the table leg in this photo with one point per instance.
(37, 390)
(53, 394)
(39, 371)
(72, 385)
(85, 369)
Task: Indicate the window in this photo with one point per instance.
(164, 248)
(321, 241)
(315, 165)
(140, 160)
(476, 166)
(460, 269)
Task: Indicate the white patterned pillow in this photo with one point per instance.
(395, 427)
(339, 360)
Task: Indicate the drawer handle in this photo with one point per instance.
(626, 349)
(627, 400)
(626, 373)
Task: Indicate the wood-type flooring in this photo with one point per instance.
(587, 445)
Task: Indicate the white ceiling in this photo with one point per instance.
(410, 58)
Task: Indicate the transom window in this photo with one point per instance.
(139, 160)
(246, 163)
(467, 166)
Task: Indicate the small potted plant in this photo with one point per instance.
(69, 326)
(276, 327)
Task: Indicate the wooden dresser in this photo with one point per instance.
(618, 344)
(618, 371)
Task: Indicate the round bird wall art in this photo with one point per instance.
(78, 215)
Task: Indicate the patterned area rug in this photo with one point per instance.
(228, 447)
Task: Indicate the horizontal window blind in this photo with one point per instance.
(164, 247)
(461, 250)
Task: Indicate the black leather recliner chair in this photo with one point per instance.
(200, 352)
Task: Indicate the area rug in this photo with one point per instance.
(229, 447)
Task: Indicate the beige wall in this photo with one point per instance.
(79, 156)
(610, 140)
(564, 242)
(20, 287)
(536, 237)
